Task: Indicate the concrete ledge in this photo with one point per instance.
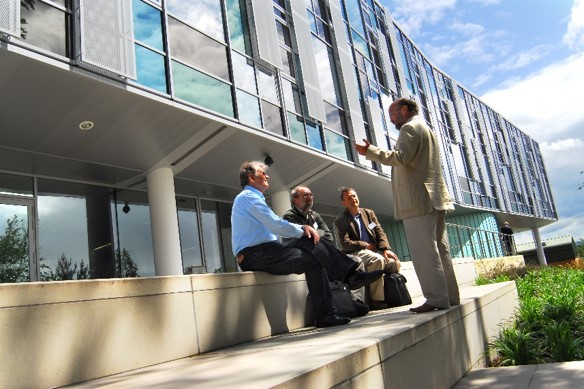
(390, 349)
(58, 333)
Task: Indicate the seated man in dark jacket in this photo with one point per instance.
(301, 212)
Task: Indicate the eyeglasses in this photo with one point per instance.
(395, 110)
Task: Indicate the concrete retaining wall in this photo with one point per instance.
(58, 333)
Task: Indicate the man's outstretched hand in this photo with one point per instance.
(362, 149)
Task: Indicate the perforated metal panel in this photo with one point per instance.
(107, 35)
(308, 62)
(10, 17)
(265, 32)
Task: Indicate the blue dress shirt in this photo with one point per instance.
(253, 222)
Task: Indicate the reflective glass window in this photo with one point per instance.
(312, 22)
(147, 25)
(14, 242)
(211, 237)
(326, 72)
(283, 34)
(151, 69)
(291, 96)
(337, 145)
(335, 118)
(11, 184)
(287, 62)
(354, 14)
(205, 15)
(248, 109)
(313, 133)
(296, 128)
(238, 28)
(188, 216)
(201, 89)
(46, 27)
(243, 73)
(360, 44)
(272, 118)
(134, 254)
(267, 86)
(59, 216)
(197, 49)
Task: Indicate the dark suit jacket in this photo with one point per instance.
(313, 219)
(348, 231)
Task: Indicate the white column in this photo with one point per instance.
(164, 222)
(538, 247)
(281, 202)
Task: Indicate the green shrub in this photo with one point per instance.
(549, 324)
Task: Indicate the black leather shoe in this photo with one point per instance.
(331, 321)
(375, 305)
(361, 278)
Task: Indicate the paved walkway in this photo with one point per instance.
(567, 375)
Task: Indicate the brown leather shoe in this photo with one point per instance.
(425, 308)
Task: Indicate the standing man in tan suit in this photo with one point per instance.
(421, 200)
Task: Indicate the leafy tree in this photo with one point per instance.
(28, 5)
(65, 270)
(128, 266)
(83, 272)
(14, 258)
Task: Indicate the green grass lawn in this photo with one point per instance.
(549, 325)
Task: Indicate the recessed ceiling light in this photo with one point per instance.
(86, 125)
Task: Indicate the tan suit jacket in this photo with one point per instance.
(416, 175)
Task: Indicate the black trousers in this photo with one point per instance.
(300, 256)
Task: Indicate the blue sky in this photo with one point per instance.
(525, 59)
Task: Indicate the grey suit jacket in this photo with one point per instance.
(416, 175)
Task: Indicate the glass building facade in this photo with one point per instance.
(305, 76)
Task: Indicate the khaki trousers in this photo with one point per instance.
(430, 255)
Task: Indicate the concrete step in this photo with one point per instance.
(391, 348)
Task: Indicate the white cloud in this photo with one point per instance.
(467, 28)
(561, 145)
(486, 2)
(574, 36)
(546, 104)
(412, 15)
(523, 58)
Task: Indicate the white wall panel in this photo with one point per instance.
(10, 17)
(107, 35)
(266, 36)
(307, 62)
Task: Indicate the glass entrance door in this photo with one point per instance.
(17, 240)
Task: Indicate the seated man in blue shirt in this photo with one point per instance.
(255, 231)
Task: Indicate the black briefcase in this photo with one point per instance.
(343, 301)
(396, 292)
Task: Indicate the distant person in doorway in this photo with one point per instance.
(421, 200)
(508, 241)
